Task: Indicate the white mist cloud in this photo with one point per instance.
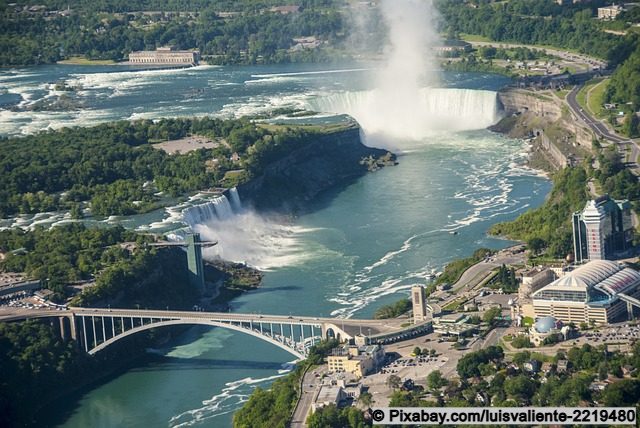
(410, 64)
(249, 238)
(396, 107)
(405, 106)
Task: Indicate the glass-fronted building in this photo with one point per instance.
(600, 290)
(602, 229)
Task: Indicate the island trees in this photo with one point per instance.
(116, 167)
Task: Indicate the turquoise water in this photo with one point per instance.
(356, 249)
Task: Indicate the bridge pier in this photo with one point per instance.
(57, 326)
(74, 327)
(84, 331)
(630, 314)
(63, 330)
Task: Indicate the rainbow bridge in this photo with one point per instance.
(95, 329)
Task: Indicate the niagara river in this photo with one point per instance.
(353, 250)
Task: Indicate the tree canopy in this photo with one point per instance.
(116, 168)
(225, 32)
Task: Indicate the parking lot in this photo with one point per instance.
(613, 334)
(415, 368)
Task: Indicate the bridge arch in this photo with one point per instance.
(164, 323)
(330, 334)
(333, 331)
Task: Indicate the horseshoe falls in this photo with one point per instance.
(425, 112)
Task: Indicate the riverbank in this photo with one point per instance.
(80, 60)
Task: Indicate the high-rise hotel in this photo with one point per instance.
(602, 230)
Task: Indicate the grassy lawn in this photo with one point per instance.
(80, 60)
(595, 98)
(597, 187)
(581, 98)
(452, 306)
(474, 38)
(542, 97)
(561, 94)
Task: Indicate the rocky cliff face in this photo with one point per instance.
(521, 102)
(559, 137)
(289, 184)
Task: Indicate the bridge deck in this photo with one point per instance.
(182, 244)
(97, 328)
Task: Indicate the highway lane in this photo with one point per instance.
(310, 388)
(601, 130)
(595, 125)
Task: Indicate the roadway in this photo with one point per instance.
(599, 128)
(310, 387)
(595, 125)
(475, 275)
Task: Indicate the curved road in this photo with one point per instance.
(599, 128)
(311, 384)
(595, 125)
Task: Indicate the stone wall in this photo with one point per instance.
(526, 102)
(540, 114)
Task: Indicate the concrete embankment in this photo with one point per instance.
(545, 118)
(330, 162)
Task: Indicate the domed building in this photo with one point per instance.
(546, 327)
(546, 324)
(600, 290)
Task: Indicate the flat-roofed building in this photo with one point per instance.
(609, 12)
(534, 280)
(452, 45)
(599, 291)
(164, 56)
(328, 394)
(356, 360)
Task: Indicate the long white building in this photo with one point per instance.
(600, 290)
(164, 56)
